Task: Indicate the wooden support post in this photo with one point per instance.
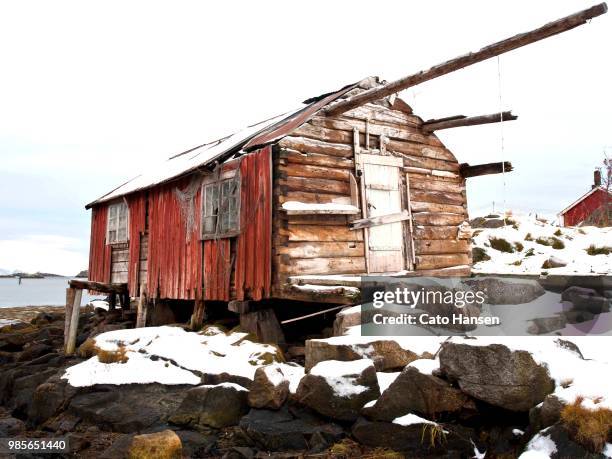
(112, 301)
(69, 303)
(199, 314)
(239, 307)
(459, 121)
(500, 47)
(143, 306)
(74, 322)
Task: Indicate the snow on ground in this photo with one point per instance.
(425, 366)
(575, 240)
(179, 357)
(386, 379)
(278, 373)
(4, 322)
(539, 447)
(410, 419)
(341, 375)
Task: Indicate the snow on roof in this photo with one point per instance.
(190, 160)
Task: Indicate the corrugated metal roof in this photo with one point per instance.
(248, 139)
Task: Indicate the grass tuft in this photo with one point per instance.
(557, 244)
(544, 241)
(501, 244)
(433, 434)
(594, 250)
(558, 233)
(518, 246)
(528, 237)
(530, 253)
(479, 254)
(118, 356)
(590, 428)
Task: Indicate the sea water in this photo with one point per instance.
(50, 291)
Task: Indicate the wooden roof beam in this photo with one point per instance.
(484, 169)
(458, 121)
(509, 44)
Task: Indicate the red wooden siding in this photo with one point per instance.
(137, 205)
(175, 261)
(582, 210)
(99, 252)
(254, 251)
(217, 269)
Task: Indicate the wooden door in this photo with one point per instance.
(381, 182)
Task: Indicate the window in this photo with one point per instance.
(221, 208)
(117, 226)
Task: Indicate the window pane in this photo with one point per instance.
(112, 236)
(209, 225)
(112, 211)
(122, 234)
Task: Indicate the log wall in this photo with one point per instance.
(314, 165)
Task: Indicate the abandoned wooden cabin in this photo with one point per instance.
(298, 206)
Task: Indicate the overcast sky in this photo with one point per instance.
(92, 92)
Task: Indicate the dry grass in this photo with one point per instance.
(433, 435)
(501, 244)
(528, 237)
(518, 246)
(87, 349)
(118, 356)
(591, 428)
(594, 250)
(558, 233)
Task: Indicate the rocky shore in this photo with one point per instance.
(167, 392)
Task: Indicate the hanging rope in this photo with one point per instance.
(501, 130)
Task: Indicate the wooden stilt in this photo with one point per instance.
(74, 321)
(239, 307)
(141, 316)
(264, 325)
(112, 301)
(198, 316)
(69, 303)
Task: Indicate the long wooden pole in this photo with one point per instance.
(459, 121)
(509, 44)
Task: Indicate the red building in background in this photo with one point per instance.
(593, 208)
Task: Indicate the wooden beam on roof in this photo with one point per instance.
(459, 121)
(98, 286)
(500, 47)
(484, 169)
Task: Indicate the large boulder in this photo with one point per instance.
(159, 445)
(49, 398)
(346, 318)
(586, 299)
(487, 222)
(127, 408)
(272, 385)
(216, 406)
(496, 375)
(505, 291)
(415, 392)
(288, 429)
(339, 389)
(546, 413)
(386, 354)
(416, 436)
(11, 427)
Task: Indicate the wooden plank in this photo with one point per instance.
(441, 261)
(495, 49)
(119, 266)
(433, 173)
(380, 220)
(315, 159)
(326, 280)
(436, 232)
(119, 277)
(424, 246)
(452, 271)
(485, 169)
(199, 314)
(322, 249)
(438, 219)
(336, 297)
(98, 286)
(327, 212)
(315, 185)
(377, 113)
(120, 255)
(421, 149)
(326, 220)
(142, 311)
(429, 163)
(70, 292)
(459, 121)
(339, 265)
(319, 172)
(393, 161)
(437, 185)
(313, 197)
(317, 146)
(417, 207)
(315, 233)
(438, 197)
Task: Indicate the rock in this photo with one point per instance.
(501, 291)
(33, 351)
(339, 389)
(586, 299)
(77, 442)
(385, 353)
(196, 444)
(577, 317)
(127, 408)
(414, 392)
(286, 429)
(496, 375)
(49, 397)
(158, 445)
(11, 427)
(420, 437)
(547, 413)
(213, 406)
(272, 384)
(347, 317)
(543, 325)
(479, 254)
(486, 222)
(555, 262)
(555, 443)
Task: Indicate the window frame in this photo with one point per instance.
(216, 182)
(116, 221)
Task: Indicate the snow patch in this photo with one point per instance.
(425, 366)
(540, 446)
(341, 376)
(410, 419)
(385, 380)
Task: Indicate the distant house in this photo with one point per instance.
(591, 209)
